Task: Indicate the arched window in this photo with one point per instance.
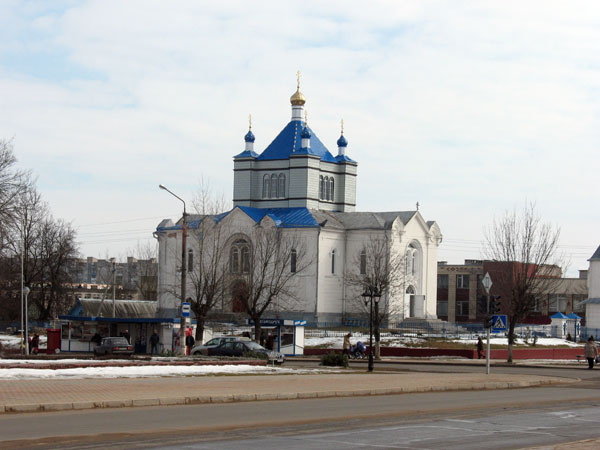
(190, 260)
(363, 262)
(293, 257)
(332, 192)
(245, 259)
(234, 260)
(333, 261)
(239, 257)
(327, 189)
(281, 191)
(273, 186)
(266, 186)
(321, 188)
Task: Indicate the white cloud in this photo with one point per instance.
(467, 107)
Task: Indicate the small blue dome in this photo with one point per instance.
(342, 142)
(305, 133)
(249, 136)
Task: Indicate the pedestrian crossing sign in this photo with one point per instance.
(499, 323)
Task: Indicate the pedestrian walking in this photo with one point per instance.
(35, 343)
(479, 347)
(189, 342)
(154, 340)
(346, 345)
(590, 351)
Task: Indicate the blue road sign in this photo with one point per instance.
(499, 323)
(185, 309)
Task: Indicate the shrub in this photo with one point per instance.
(256, 355)
(334, 359)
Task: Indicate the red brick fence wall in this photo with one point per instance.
(529, 353)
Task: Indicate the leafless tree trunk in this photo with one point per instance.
(377, 268)
(269, 283)
(525, 262)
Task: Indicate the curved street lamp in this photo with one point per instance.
(371, 293)
(182, 321)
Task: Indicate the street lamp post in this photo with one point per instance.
(182, 321)
(368, 296)
(26, 293)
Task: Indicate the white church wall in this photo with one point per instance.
(330, 298)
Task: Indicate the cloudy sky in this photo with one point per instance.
(470, 108)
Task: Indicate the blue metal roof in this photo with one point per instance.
(283, 217)
(246, 154)
(288, 142)
(344, 158)
(559, 315)
(573, 316)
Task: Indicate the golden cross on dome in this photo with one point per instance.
(298, 77)
(250, 121)
(342, 127)
(305, 118)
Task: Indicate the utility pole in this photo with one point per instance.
(114, 271)
(487, 284)
(487, 358)
(182, 321)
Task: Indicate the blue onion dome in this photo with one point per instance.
(305, 133)
(342, 142)
(249, 136)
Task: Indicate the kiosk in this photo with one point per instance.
(287, 335)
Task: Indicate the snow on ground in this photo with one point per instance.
(146, 371)
(336, 342)
(11, 341)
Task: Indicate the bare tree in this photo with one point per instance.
(378, 268)
(145, 278)
(276, 257)
(45, 246)
(12, 183)
(525, 262)
(207, 261)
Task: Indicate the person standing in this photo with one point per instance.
(346, 346)
(590, 351)
(154, 340)
(479, 347)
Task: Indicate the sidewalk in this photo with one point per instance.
(68, 394)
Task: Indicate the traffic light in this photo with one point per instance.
(488, 322)
(494, 304)
(482, 304)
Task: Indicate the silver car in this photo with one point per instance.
(215, 342)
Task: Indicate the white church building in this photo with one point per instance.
(299, 186)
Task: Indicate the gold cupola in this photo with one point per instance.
(298, 99)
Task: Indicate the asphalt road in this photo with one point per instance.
(401, 421)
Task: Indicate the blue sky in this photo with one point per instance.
(469, 108)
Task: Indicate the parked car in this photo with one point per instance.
(113, 346)
(240, 348)
(215, 342)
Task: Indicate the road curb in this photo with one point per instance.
(235, 398)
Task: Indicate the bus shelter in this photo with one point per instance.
(287, 335)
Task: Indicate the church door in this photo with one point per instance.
(239, 292)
